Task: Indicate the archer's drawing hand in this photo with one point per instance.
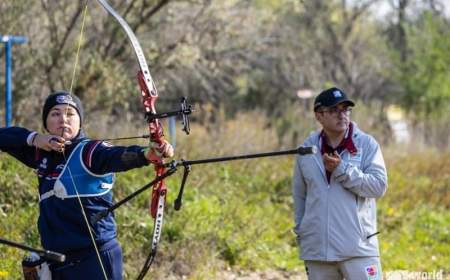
(331, 161)
(49, 142)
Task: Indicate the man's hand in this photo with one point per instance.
(331, 161)
(49, 142)
(159, 150)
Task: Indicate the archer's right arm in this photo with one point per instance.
(17, 142)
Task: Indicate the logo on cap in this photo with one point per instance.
(337, 94)
(65, 99)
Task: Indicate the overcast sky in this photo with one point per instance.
(383, 7)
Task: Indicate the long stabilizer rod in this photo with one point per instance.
(301, 151)
(46, 254)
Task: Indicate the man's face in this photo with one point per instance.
(63, 120)
(334, 119)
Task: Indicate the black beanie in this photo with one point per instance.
(61, 97)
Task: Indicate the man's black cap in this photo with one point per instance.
(331, 97)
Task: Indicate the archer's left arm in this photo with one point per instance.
(371, 180)
(101, 157)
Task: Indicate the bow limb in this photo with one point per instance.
(148, 81)
(149, 97)
(148, 89)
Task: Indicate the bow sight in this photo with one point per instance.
(185, 110)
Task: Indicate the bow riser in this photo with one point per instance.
(149, 100)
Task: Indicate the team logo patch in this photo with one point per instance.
(106, 144)
(337, 94)
(372, 272)
(43, 163)
(65, 99)
(357, 156)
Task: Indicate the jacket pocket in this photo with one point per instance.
(359, 212)
(367, 217)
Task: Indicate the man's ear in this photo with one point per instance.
(318, 116)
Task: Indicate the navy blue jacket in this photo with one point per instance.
(61, 225)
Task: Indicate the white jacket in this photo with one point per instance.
(334, 221)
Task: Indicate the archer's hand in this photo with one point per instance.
(49, 142)
(159, 150)
(331, 161)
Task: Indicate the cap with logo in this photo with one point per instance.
(61, 97)
(331, 97)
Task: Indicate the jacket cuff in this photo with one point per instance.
(142, 158)
(30, 138)
(339, 172)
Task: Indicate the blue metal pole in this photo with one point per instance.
(9, 41)
(172, 131)
(8, 80)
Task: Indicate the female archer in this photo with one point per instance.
(72, 171)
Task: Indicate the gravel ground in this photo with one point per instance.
(280, 275)
(265, 275)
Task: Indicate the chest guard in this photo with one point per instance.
(75, 178)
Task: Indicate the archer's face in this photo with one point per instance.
(334, 119)
(63, 120)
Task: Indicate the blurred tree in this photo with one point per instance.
(229, 55)
(422, 70)
(316, 44)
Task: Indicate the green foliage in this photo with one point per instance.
(19, 225)
(15, 186)
(423, 72)
(18, 211)
(239, 215)
(414, 215)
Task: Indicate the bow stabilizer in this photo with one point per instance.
(187, 164)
